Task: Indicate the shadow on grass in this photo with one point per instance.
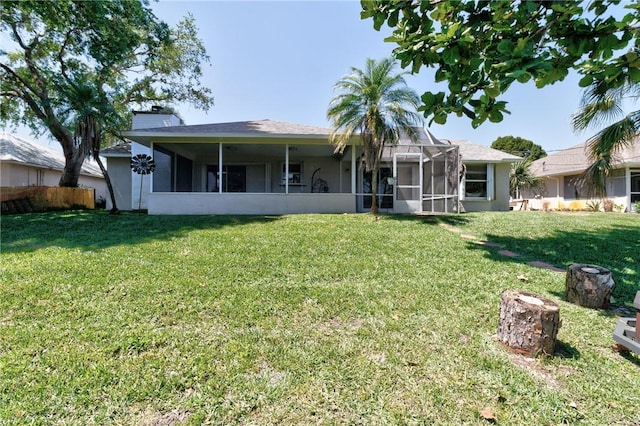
(615, 248)
(431, 219)
(95, 230)
(631, 357)
(565, 350)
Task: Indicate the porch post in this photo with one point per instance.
(433, 186)
(286, 169)
(150, 176)
(446, 182)
(220, 168)
(353, 169)
(627, 175)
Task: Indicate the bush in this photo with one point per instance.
(592, 206)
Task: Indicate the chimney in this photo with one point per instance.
(157, 117)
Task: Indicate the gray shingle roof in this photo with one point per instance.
(473, 152)
(253, 127)
(122, 149)
(575, 160)
(270, 128)
(20, 151)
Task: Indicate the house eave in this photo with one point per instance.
(146, 138)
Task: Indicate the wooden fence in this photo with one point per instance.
(41, 198)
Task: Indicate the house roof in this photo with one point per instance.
(575, 160)
(259, 129)
(122, 149)
(472, 152)
(253, 129)
(20, 151)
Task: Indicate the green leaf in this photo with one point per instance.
(451, 55)
(505, 47)
(586, 80)
(428, 99)
(492, 90)
(440, 118)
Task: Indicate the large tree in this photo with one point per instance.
(602, 109)
(376, 103)
(480, 48)
(64, 58)
(519, 146)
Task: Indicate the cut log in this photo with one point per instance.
(589, 286)
(528, 324)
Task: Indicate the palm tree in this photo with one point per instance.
(520, 177)
(602, 107)
(377, 104)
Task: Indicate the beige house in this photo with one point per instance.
(271, 167)
(25, 163)
(561, 189)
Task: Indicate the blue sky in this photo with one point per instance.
(280, 60)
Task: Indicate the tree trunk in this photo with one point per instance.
(589, 286)
(114, 208)
(73, 158)
(374, 188)
(71, 172)
(528, 324)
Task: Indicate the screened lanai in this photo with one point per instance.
(425, 176)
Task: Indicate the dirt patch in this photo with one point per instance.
(172, 418)
(533, 366)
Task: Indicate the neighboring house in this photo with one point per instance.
(25, 163)
(271, 167)
(560, 173)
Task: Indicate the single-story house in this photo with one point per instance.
(26, 163)
(271, 167)
(561, 188)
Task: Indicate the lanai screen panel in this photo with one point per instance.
(441, 180)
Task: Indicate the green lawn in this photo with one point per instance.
(310, 319)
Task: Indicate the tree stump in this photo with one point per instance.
(528, 324)
(589, 286)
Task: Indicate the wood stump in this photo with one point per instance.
(528, 324)
(589, 286)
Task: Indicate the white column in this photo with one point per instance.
(286, 169)
(220, 168)
(353, 169)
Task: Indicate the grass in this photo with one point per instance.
(329, 319)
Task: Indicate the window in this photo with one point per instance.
(635, 185)
(295, 173)
(234, 178)
(478, 181)
(573, 188)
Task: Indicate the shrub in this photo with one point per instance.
(593, 205)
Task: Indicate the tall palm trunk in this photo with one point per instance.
(374, 188)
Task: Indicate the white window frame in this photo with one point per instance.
(295, 178)
(489, 181)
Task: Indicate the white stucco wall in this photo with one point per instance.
(137, 201)
(500, 201)
(120, 174)
(176, 203)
